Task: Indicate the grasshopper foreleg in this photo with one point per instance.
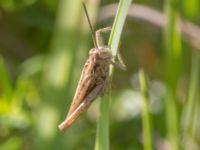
(98, 36)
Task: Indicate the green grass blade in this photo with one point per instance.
(191, 108)
(118, 25)
(102, 137)
(173, 70)
(145, 112)
(4, 80)
(192, 94)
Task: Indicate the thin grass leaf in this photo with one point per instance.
(189, 119)
(4, 80)
(172, 74)
(102, 137)
(145, 112)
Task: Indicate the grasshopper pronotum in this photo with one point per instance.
(94, 77)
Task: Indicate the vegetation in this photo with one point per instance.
(153, 105)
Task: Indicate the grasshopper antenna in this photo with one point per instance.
(90, 24)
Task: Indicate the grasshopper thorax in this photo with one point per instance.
(102, 53)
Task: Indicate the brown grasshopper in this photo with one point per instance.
(94, 76)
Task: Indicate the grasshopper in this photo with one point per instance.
(94, 77)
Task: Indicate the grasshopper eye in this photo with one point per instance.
(93, 51)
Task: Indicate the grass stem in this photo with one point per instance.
(102, 137)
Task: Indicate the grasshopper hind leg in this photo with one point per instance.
(82, 107)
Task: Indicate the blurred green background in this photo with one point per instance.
(43, 47)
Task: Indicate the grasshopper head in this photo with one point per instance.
(102, 53)
(105, 53)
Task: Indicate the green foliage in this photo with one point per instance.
(43, 46)
(13, 5)
(102, 138)
(145, 112)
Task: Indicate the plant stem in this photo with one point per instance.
(4, 80)
(172, 74)
(102, 137)
(145, 112)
